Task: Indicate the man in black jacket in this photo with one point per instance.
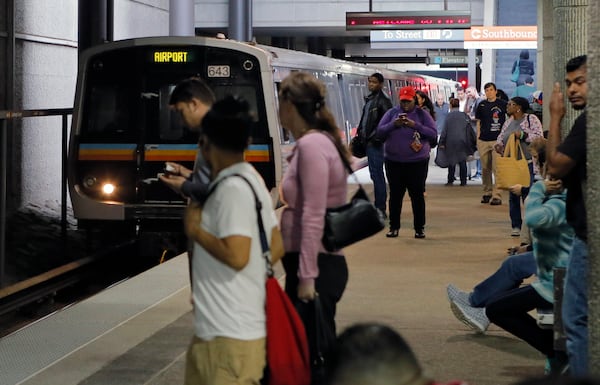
(376, 104)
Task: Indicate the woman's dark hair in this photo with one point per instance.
(228, 123)
(307, 93)
(500, 94)
(454, 102)
(521, 102)
(524, 55)
(576, 62)
(427, 103)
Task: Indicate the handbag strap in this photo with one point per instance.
(513, 147)
(266, 251)
(344, 161)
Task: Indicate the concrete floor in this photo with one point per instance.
(400, 282)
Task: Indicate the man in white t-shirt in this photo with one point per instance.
(228, 269)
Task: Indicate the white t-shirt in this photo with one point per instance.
(230, 303)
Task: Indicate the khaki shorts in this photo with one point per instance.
(225, 361)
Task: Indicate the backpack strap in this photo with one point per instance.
(266, 251)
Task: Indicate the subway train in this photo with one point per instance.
(123, 130)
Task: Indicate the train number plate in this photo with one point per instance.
(219, 71)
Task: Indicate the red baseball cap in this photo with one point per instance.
(407, 93)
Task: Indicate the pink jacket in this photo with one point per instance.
(314, 180)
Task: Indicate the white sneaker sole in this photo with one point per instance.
(460, 315)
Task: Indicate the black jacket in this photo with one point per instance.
(379, 105)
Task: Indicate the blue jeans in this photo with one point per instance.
(509, 275)
(514, 202)
(375, 159)
(575, 309)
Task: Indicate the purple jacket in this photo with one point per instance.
(398, 139)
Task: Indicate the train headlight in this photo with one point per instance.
(89, 181)
(108, 188)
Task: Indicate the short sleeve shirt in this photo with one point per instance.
(574, 147)
(492, 116)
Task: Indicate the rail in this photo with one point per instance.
(7, 117)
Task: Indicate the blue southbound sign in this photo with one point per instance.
(417, 35)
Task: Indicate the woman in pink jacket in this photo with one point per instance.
(314, 180)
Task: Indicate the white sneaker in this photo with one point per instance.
(457, 295)
(473, 317)
(516, 232)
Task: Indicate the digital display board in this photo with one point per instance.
(408, 20)
(170, 57)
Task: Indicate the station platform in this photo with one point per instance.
(137, 331)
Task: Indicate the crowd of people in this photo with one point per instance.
(227, 269)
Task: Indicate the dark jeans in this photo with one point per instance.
(462, 169)
(330, 285)
(509, 275)
(510, 312)
(514, 202)
(407, 176)
(375, 159)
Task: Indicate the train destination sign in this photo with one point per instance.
(408, 20)
(170, 57)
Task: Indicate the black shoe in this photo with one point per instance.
(496, 202)
(393, 233)
(463, 183)
(486, 199)
(419, 234)
(449, 184)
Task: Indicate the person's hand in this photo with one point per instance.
(178, 169)
(516, 189)
(306, 291)
(553, 186)
(557, 102)
(192, 218)
(173, 181)
(499, 148)
(409, 122)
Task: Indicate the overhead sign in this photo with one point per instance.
(418, 35)
(407, 20)
(452, 60)
(501, 37)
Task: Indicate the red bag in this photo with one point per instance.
(288, 360)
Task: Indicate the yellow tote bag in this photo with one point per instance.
(512, 167)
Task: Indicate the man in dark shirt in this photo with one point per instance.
(567, 161)
(490, 115)
(376, 105)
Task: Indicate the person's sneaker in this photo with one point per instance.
(457, 295)
(486, 199)
(556, 366)
(473, 317)
(495, 202)
(516, 232)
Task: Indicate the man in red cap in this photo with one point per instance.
(406, 131)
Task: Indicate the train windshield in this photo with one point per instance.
(128, 130)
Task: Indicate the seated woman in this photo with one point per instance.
(545, 214)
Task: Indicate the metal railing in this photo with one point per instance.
(5, 118)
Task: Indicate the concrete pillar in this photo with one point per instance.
(593, 185)
(570, 40)
(545, 52)
(181, 18)
(488, 56)
(240, 20)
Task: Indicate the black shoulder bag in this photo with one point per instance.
(352, 222)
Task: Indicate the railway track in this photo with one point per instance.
(36, 297)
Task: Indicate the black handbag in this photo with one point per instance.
(352, 222)
(358, 146)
